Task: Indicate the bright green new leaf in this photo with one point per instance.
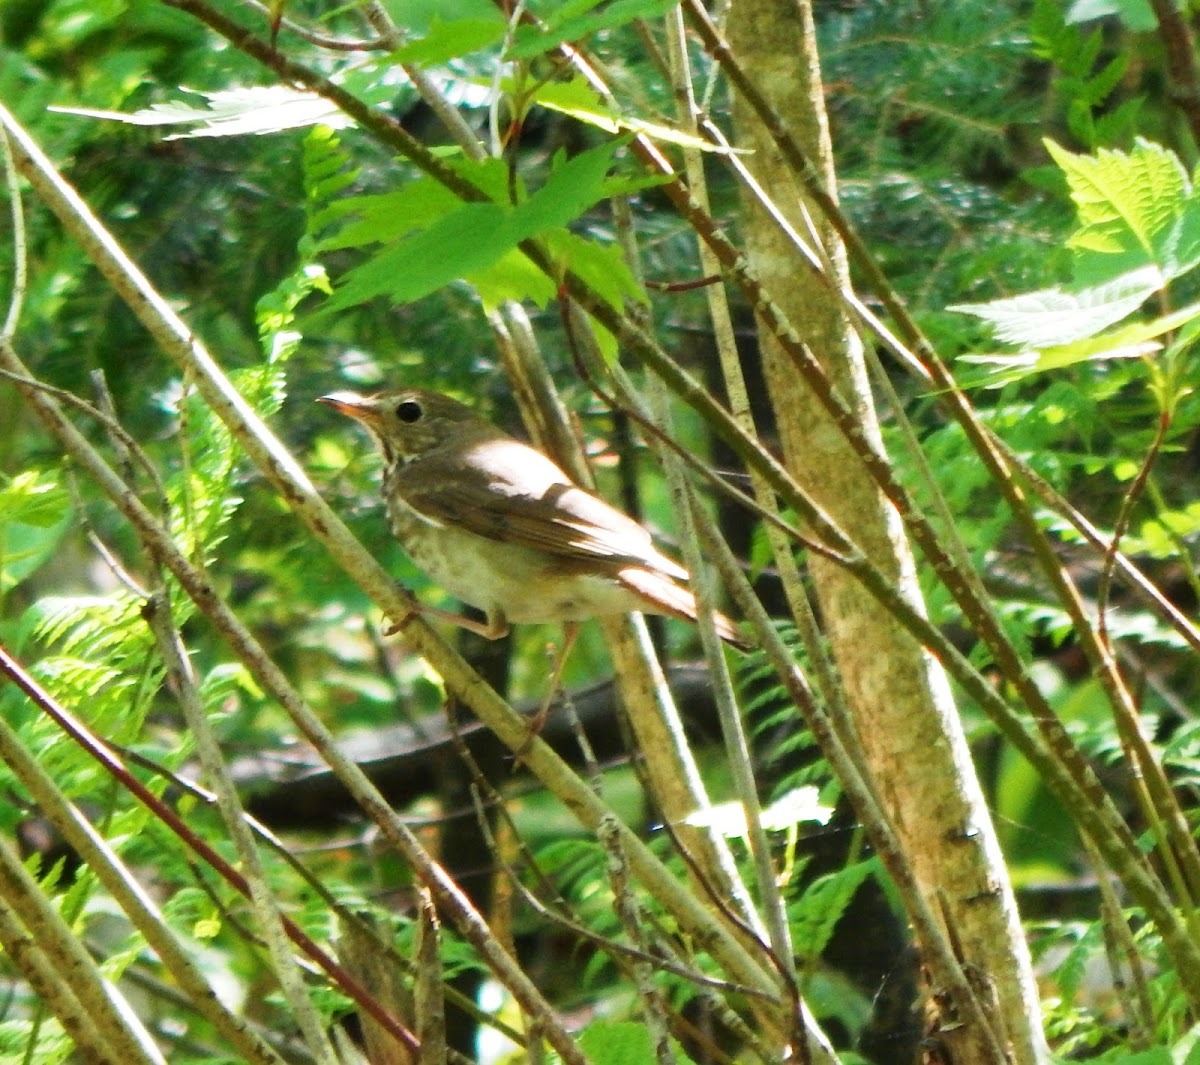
(1123, 199)
(386, 217)
(573, 188)
(1159, 537)
(512, 277)
(469, 240)
(601, 266)
(35, 512)
(1135, 208)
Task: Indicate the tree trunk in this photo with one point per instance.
(911, 736)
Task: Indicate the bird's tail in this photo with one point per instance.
(664, 596)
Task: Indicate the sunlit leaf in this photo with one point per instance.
(1128, 342)
(1057, 316)
(577, 99)
(35, 513)
(1135, 208)
(473, 237)
(233, 112)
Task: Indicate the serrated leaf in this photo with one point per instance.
(471, 239)
(454, 39)
(512, 277)
(35, 513)
(601, 266)
(382, 218)
(1160, 536)
(1128, 203)
(573, 188)
(34, 497)
(532, 41)
(1131, 341)
(1056, 316)
(815, 916)
(233, 112)
(466, 241)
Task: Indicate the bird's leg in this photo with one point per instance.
(492, 629)
(536, 723)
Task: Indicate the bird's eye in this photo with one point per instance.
(408, 411)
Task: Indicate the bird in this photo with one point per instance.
(500, 526)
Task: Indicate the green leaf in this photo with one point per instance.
(467, 241)
(1160, 537)
(513, 277)
(35, 513)
(817, 913)
(448, 40)
(1131, 208)
(573, 188)
(577, 99)
(1054, 316)
(470, 240)
(233, 112)
(622, 1043)
(386, 217)
(565, 25)
(1130, 341)
(33, 498)
(601, 266)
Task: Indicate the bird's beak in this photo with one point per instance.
(361, 408)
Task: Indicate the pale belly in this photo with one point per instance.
(522, 584)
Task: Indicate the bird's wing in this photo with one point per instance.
(538, 508)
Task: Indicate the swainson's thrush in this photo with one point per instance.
(497, 524)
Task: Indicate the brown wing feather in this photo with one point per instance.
(537, 508)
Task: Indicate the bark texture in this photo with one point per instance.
(910, 732)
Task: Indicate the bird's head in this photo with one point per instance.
(407, 422)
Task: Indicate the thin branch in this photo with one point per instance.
(1099, 656)
(47, 978)
(157, 613)
(20, 278)
(1179, 46)
(317, 40)
(1085, 793)
(115, 1023)
(281, 469)
(168, 817)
